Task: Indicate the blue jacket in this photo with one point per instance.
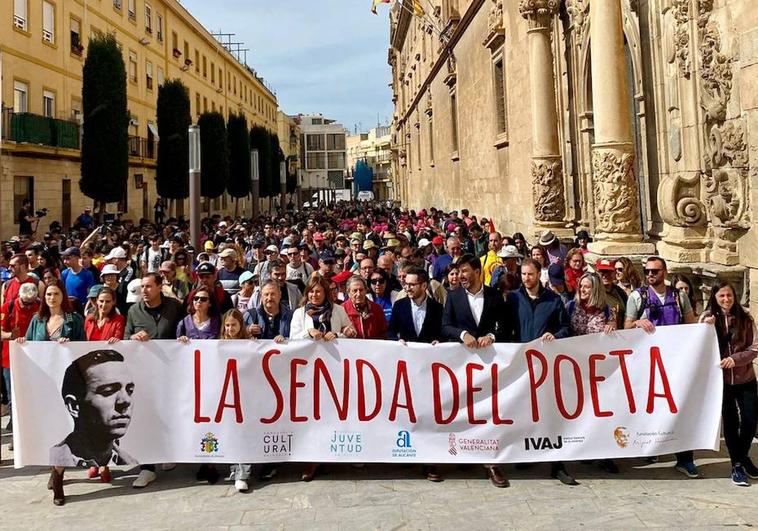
(258, 316)
(547, 314)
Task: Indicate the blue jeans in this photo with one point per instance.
(7, 378)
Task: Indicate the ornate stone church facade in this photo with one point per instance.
(634, 119)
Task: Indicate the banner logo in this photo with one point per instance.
(346, 443)
(542, 443)
(209, 443)
(621, 435)
(277, 443)
(403, 447)
(452, 450)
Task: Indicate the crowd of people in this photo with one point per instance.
(353, 270)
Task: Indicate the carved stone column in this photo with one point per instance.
(618, 229)
(547, 170)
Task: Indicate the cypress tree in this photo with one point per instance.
(105, 148)
(214, 154)
(277, 155)
(259, 140)
(173, 113)
(239, 156)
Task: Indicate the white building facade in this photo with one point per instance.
(322, 156)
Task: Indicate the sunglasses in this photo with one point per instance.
(620, 269)
(377, 281)
(200, 299)
(269, 252)
(652, 271)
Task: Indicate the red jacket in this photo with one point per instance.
(114, 327)
(373, 327)
(17, 317)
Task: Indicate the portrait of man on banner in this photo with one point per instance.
(97, 391)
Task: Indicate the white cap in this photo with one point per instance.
(509, 251)
(222, 224)
(423, 242)
(273, 248)
(109, 269)
(116, 252)
(132, 290)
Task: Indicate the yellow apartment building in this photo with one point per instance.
(43, 45)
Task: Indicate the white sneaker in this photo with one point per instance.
(241, 485)
(144, 479)
(168, 466)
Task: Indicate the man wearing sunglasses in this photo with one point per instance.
(297, 269)
(660, 305)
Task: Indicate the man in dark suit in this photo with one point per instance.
(418, 318)
(477, 316)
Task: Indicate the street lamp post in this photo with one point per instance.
(194, 184)
(255, 182)
(283, 184)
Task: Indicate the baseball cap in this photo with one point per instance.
(116, 253)
(437, 240)
(132, 290)
(603, 264)
(222, 224)
(206, 268)
(339, 253)
(326, 256)
(109, 269)
(272, 248)
(209, 245)
(94, 291)
(71, 251)
(228, 253)
(509, 251)
(556, 275)
(368, 244)
(339, 278)
(423, 242)
(247, 276)
(318, 237)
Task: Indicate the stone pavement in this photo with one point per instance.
(385, 497)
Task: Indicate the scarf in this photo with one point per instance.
(321, 314)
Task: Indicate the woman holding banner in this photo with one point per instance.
(735, 330)
(104, 324)
(590, 313)
(202, 322)
(55, 321)
(318, 318)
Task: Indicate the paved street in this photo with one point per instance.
(385, 497)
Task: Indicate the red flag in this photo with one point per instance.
(375, 3)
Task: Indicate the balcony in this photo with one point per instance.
(31, 128)
(143, 148)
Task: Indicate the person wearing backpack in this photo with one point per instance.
(660, 305)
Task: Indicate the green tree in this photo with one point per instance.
(214, 154)
(173, 113)
(277, 156)
(239, 156)
(105, 148)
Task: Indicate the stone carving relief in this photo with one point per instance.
(547, 190)
(680, 10)
(579, 13)
(495, 29)
(715, 73)
(614, 192)
(725, 179)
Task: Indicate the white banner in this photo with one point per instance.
(622, 395)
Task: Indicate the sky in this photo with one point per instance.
(319, 56)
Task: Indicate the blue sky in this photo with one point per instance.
(327, 56)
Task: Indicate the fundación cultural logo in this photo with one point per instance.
(403, 446)
(346, 443)
(279, 443)
(209, 443)
(621, 435)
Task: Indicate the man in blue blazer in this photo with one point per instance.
(476, 315)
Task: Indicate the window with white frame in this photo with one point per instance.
(48, 103)
(148, 18)
(48, 22)
(159, 27)
(20, 96)
(149, 75)
(133, 66)
(132, 9)
(76, 36)
(20, 11)
(160, 76)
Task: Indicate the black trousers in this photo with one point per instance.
(738, 412)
